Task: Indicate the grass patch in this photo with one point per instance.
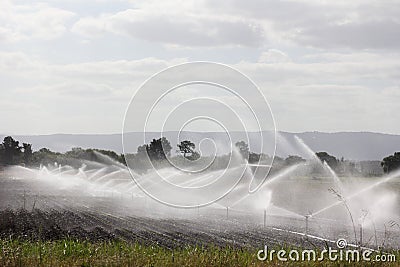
(67, 252)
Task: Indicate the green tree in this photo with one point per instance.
(90, 154)
(254, 157)
(11, 150)
(44, 156)
(27, 153)
(293, 159)
(194, 156)
(111, 154)
(391, 162)
(243, 148)
(159, 149)
(141, 150)
(2, 161)
(78, 153)
(186, 147)
(330, 160)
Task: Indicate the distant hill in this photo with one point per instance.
(350, 145)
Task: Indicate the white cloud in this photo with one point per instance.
(44, 97)
(331, 68)
(335, 64)
(31, 21)
(323, 24)
(255, 23)
(274, 56)
(339, 92)
(91, 27)
(180, 24)
(16, 61)
(362, 35)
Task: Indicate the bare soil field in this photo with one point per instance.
(32, 211)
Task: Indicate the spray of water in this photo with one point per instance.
(360, 192)
(94, 184)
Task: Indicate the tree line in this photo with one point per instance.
(157, 151)
(12, 153)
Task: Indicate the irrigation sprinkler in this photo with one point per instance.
(361, 234)
(34, 203)
(24, 199)
(265, 218)
(227, 212)
(306, 232)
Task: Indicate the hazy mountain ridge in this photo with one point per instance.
(350, 145)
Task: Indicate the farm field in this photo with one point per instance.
(121, 226)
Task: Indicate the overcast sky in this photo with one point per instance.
(69, 66)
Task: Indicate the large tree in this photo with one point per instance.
(1, 154)
(159, 149)
(329, 159)
(186, 148)
(391, 162)
(293, 159)
(27, 153)
(11, 150)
